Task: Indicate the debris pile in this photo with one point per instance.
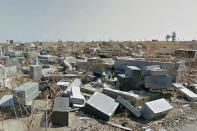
(97, 85)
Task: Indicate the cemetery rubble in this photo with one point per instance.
(98, 85)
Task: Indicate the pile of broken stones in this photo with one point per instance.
(148, 92)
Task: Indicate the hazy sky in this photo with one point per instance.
(87, 20)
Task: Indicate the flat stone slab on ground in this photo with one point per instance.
(155, 108)
(101, 106)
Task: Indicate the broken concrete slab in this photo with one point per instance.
(26, 93)
(186, 92)
(158, 81)
(126, 104)
(101, 106)
(60, 115)
(155, 109)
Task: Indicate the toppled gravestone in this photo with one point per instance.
(77, 98)
(60, 115)
(68, 91)
(126, 104)
(36, 72)
(6, 101)
(7, 105)
(101, 106)
(136, 98)
(25, 93)
(155, 109)
(186, 92)
(67, 66)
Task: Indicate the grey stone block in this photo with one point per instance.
(121, 63)
(155, 108)
(128, 83)
(126, 104)
(68, 91)
(156, 72)
(101, 106)
(133, 71)
(10, 71)
(36, 72)
(26, 93)
(136, 98)
(77, 97)
(6, 101)
(158, 82)
(88, 78)
(60, 115)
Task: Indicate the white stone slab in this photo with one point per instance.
(155, 108)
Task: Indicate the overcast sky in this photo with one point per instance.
(87, 20)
